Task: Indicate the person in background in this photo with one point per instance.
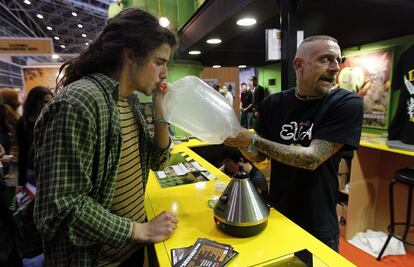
(303, 131)
(246, 106)
(93, 151)
(233, 160)
(11, 102)
(216, 87)
(258, 96)
(227, 94)
(37, 98)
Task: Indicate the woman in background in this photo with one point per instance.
(37, 98)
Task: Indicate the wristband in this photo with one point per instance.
(160, 121)
(252, 143)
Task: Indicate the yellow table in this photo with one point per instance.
(189, 203)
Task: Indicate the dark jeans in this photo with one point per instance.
(306, 256)
(245, 119)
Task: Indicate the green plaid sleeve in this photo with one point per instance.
(65, 138)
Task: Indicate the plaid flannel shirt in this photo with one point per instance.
(78, 144)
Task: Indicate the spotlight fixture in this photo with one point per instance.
(80, 26)
(49, 28)
(55, 56)
(216, 66)
(56, 38)
(164, 22)
(246, 22)
(39, 16)
(74, 14)
(194, 52)
(214, 41)
(63, 46)
(83, 35)
(242, 66)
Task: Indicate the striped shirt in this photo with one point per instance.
(128, 201)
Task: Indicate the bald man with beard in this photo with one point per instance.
(304, 130)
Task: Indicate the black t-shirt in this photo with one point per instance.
(309, 197)
(246, 99)
(402, 126)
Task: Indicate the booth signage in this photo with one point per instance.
(26, 46)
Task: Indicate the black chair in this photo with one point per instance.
(406, 177)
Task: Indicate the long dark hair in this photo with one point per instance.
(133, 29)
(35, 96)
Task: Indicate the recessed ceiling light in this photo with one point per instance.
(83, 35)
(194, 52)
(39, 16)
(55, 56)
(86, 43)
(49, 28)
(80, 26)
(216, 66)
(63, 46)
(164, 22)
(242, 66)
(56, 38)
(74, 14)
(246, 22)
(214, 41)
(27, 2)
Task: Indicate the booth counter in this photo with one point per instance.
(196, 220)
(373, 167)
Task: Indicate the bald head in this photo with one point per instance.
(306, 44)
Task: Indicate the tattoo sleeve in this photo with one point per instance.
(255, 156)
(301, 157)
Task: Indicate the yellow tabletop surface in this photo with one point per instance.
(377, 141)
(196, 220)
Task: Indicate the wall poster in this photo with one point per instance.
(369, 75)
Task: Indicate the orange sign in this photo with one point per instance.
(26, 46)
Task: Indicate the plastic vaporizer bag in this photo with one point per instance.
(198, 109)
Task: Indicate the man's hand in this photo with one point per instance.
(160, 228)
(242, 139)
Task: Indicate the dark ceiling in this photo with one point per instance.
(352, 22)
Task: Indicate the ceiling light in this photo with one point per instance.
(27, 2)
(242, 66)
(49, 28)
(214, 41)
(83, 35)
(56, 38)
(246, 22)
(80, 26)
(164, 22)
(39, 16)
(63, 46)
(86, 43)
(55, 56)
(74, 14)
(216, 66)
(194, 52)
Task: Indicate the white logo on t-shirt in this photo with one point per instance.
(294, 131)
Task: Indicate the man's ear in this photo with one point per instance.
(128, 56)
(297, 63)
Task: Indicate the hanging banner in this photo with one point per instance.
(26, 46)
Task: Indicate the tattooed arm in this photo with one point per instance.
(301, 157)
